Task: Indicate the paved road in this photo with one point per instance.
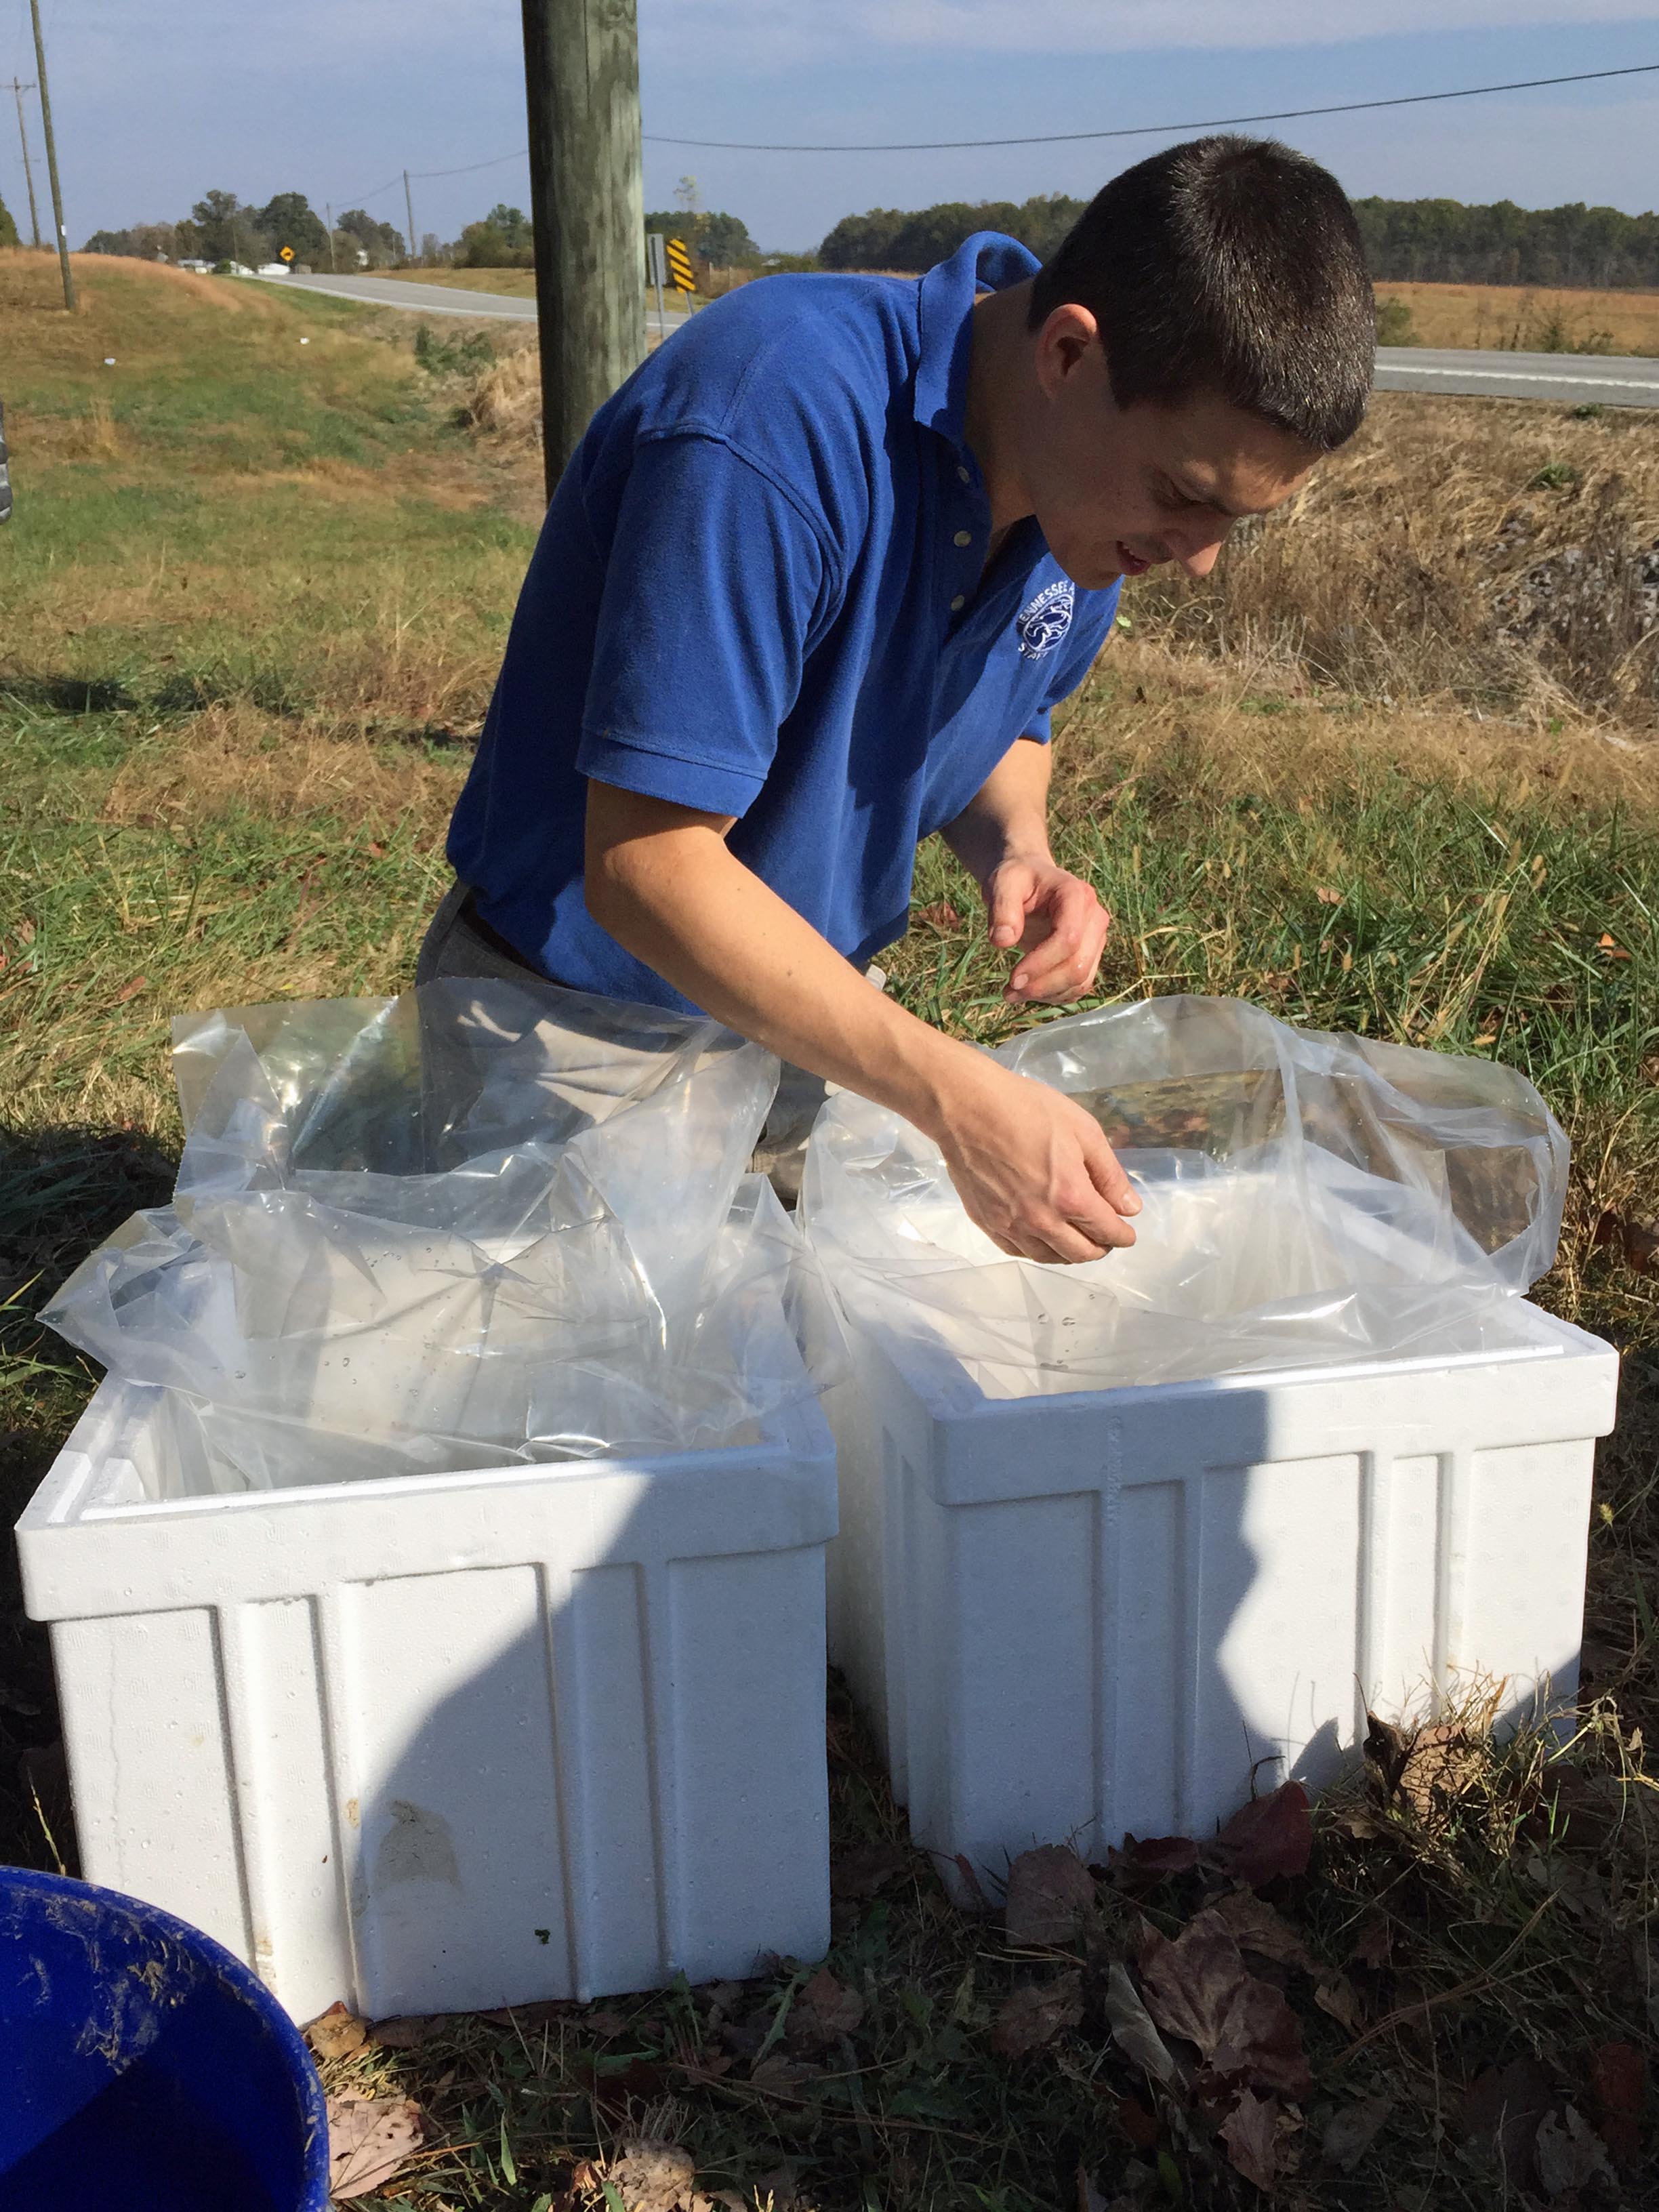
(437, 299)
(1569, 380)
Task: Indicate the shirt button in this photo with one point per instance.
(958, 602)
(963, 473)
(965, 538)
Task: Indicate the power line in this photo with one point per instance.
(1152, 130)
(1052, 137)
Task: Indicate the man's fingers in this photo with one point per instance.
(1067, 964)
(1063, 963)
(1106, 1173)
(1010, 889)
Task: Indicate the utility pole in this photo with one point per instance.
(587, 204)
(329, 212)
(52, 157)
(19, 87)
(408, 210)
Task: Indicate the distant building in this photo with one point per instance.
(202, 268)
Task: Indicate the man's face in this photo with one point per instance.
(1118, 490)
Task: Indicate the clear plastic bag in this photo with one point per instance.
(479, 1222)
(1307, 1199)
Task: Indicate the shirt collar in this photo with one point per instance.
(986, 262)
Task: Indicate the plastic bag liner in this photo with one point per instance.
(479, 1224)
(1308, 1198)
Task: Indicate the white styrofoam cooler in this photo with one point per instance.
(447, 1743)
(1073, 1617)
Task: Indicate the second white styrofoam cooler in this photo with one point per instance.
(446, 1743)
(1074, 1617)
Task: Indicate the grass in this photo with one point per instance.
(230, 771)
(1526, 321)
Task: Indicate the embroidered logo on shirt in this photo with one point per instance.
(1041, 625)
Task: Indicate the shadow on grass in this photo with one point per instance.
(69, 695)
(62, 1191)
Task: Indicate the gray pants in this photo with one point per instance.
(459, 943)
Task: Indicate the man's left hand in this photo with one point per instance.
(1058, 923)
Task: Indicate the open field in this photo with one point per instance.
(254, 596)
(515, 283)
(1528, 320)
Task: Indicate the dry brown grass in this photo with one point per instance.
(1498, 553)
(1148, 700)
(233, 760)
(504, 401)
(1519, 317)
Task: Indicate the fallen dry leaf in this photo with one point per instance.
(942, 915)
(1350, 2133)
(652, 2177)
(1089, 2199)
(1143, 2128)
(1249, 2131)
(867, 1868)
(1636, 1241)
(607, 2024)
(131, 990)
(368, 2140)
(1427, 1768)
(1036, 2014)
(1133, 2030)
(1569, 2153)
(824, 2011)
(1146, 1860)
(1257, 1927)
(405, 2031)
(1327, 896)
(1189, 1983)
(977, 1901)
(1337, 1996)
(1609, 948)
(1271, 1837)
(1373, 1941)
(1504, 2109)
(1050, 1894)
(337, 2033)
(375, 852)
(1199, 1987)
(775, 2071)
(1618, 2083)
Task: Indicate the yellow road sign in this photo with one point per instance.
(287, 253)
(681, 275)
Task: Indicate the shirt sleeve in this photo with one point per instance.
(717, 586)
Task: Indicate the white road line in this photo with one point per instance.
(1522, 376)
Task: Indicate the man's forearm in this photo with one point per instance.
(1007, 818)
(672, 893)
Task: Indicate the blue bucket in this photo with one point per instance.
(141, 2066)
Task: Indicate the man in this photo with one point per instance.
(809, 589)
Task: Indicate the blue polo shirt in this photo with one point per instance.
(758, 593)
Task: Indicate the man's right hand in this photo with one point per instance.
(1031, 1166)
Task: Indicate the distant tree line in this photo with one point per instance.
(1443, 242)
(222, 228)
(891, 238)
(1437, 242)
(504, 239)
(8, 227)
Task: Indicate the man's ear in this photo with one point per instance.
(1063, 344)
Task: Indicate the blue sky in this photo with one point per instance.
(154, 104)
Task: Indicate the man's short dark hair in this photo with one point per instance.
(1232, 265)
